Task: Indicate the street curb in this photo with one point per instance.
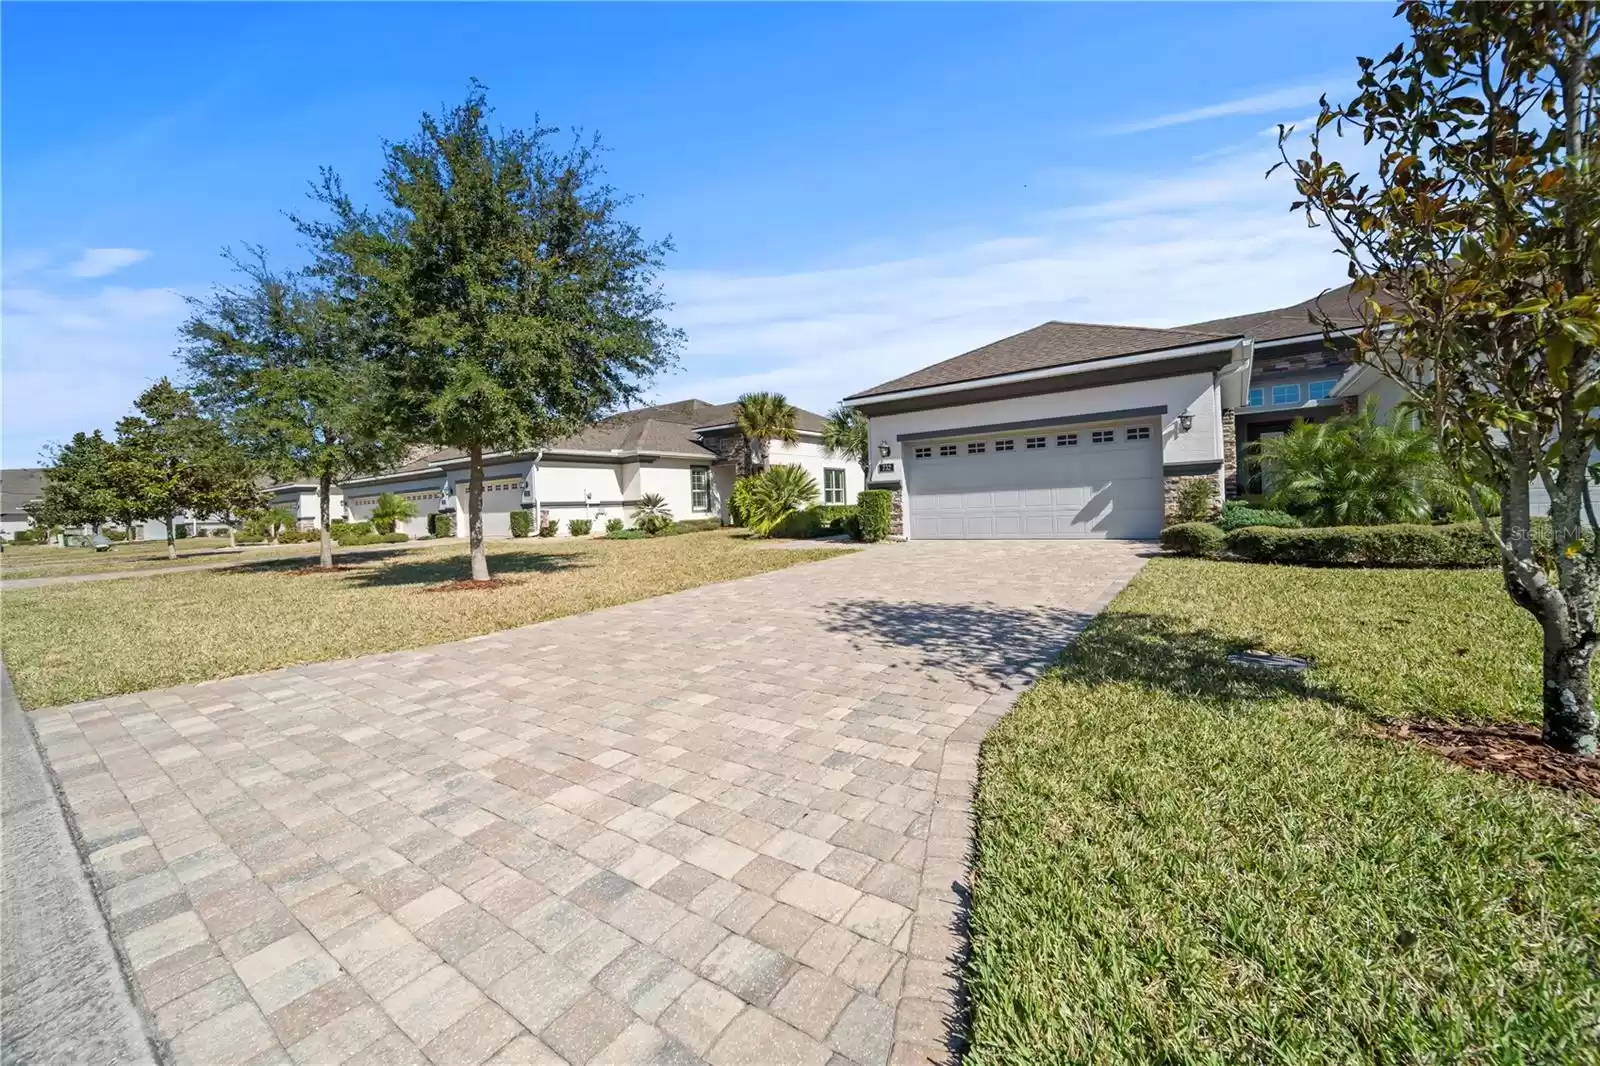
(64, 992)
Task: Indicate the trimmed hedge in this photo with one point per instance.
(1201, 539)
(1238, 516)
(615, 525)
(872, 513)
(550, 528)
(800, 525)
(579, 527)
(521, 523)
(697, 525)
(441, 525)
(1461, 545)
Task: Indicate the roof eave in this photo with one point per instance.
(1060, 370)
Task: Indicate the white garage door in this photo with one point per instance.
(1071, 482)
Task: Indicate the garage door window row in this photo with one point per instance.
(1063, 440)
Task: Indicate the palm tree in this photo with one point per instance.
(392, 509)
(845, 433)
(774, 493)
(763, 417)
(651, 514)
(1356, 470)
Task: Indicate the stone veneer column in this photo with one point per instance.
(897, 513)
(1230, 456)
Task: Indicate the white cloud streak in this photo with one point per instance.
(99, 262)
(1213, 241)
(1294, 96)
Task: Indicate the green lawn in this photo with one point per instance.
(74, 642)
(23, 561)
(1181, 861)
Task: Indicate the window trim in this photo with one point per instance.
(977, 447)
(843, 486)
(705, 490)
(1033, 444)
(946, 451)
(1256, 397)
(1066, 440)
(922, 451)
(1103, 436)
(1009, 444)
(1328, 385)
(1298, 394)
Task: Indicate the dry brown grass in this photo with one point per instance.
(75, 642)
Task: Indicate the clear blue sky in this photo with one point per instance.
(854, 191)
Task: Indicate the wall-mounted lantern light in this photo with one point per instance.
(883, 449)
(1185, 422)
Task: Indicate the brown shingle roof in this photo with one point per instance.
(19, 487)
(1050, 345)
(1282, 323)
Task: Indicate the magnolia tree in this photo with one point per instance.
(512, 304)
(1474, 242)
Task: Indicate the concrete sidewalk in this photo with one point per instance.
(63, 995)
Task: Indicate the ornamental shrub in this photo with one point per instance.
(1461, 545)
(579, 527)
(1239, 515)
(1197, 500)
(836, 516)
(872, 511)
(395, 538)
(441, 525)
(614, 525)
(800, 525)
(1201, 539)
(521, 523)
(739, 501)
(697, 525)
(549, 529)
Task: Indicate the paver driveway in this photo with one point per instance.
(729, 824)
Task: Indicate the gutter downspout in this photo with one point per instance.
(533, 481)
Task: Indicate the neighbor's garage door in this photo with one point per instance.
(1078, 482)
(500, 498)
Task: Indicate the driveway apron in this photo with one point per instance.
(729, 825)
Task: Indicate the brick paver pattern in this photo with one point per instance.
(730, 825)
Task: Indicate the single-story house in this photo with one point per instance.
(300, 498)
(1079, 430)
(19, 487)
(687, 452)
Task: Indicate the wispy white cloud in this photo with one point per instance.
(99, 262)
(75, 360)
(1210, 241)
(1294, 96)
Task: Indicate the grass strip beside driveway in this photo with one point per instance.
(69, 643)
(1182, 861)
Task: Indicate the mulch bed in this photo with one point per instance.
(1512, 749)
(470, 586)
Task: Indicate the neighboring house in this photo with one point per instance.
(684, 451)
(1076, 430)
(19, 487)
(300, 497)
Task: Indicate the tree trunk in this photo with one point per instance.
(324, 488)
(172, 539)
(1570, 722)
(480, 558)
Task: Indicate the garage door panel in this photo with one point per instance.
(1090, 491)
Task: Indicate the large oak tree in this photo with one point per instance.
(287, 370)
(511, 303)
(1473, 239)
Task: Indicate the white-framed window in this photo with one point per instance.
(947, 449)
(1289, 393)
(699, 488)
(1066, 440)
(1005, 445)
(1256, 398)
(975, 447)
(1321, 390)
(1035, 442)
(833, 484)
(1138, 433)
(1103, 436)
(924, 451)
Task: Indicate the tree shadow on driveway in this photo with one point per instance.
(983, 644)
